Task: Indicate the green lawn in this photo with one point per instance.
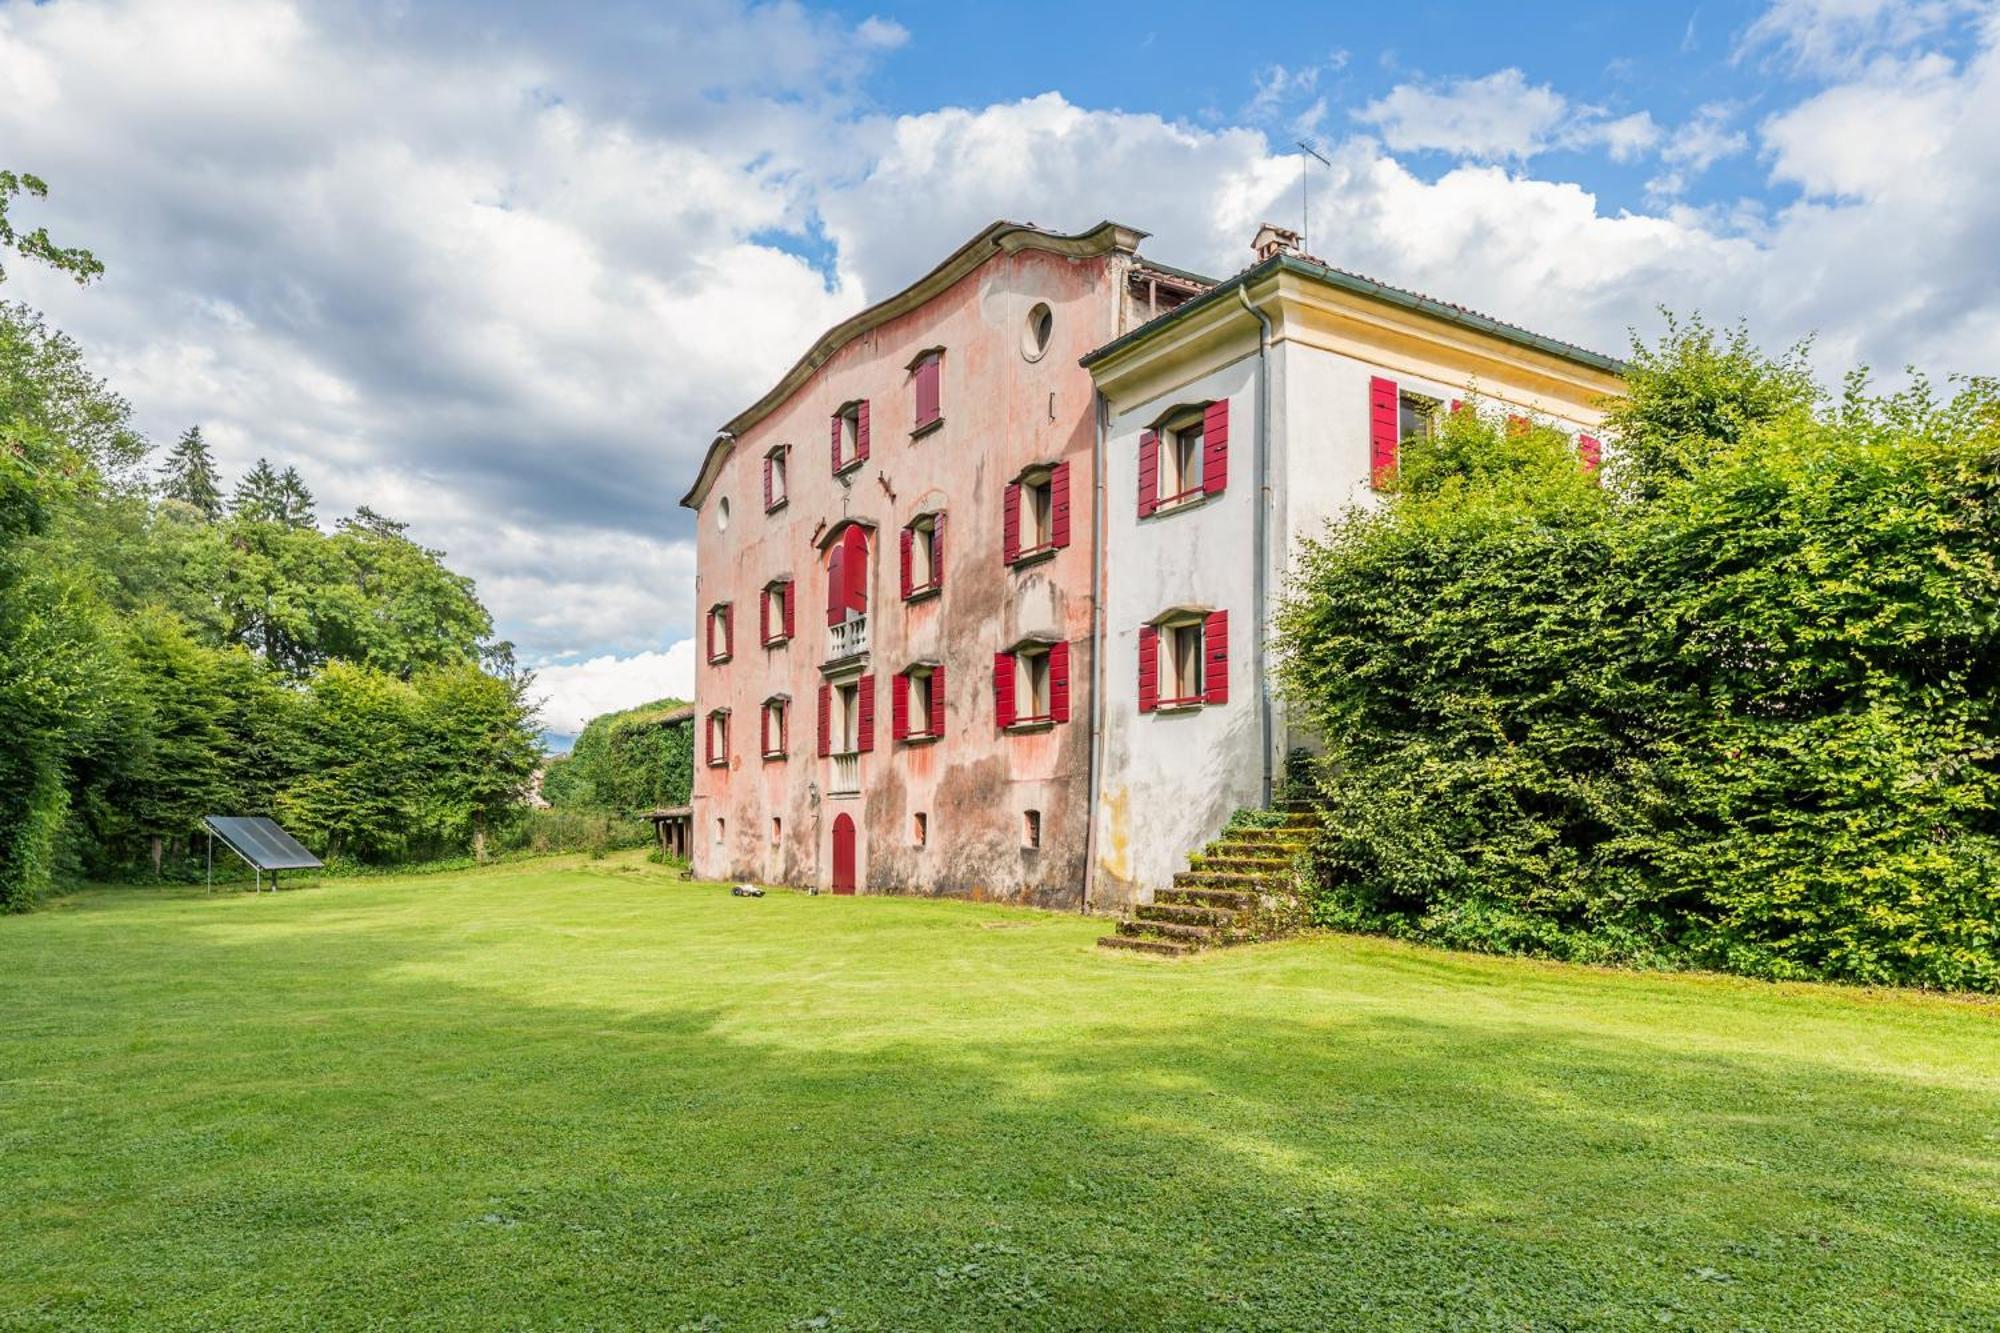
(566, 1094)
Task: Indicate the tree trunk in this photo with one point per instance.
(153, 846)
(479, 840)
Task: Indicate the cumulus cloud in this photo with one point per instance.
(1498, 116)
(1501, 117)
(573, 693)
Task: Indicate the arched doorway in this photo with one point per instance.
(843, 854)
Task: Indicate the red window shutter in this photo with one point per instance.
(927, 390)
(899, 707)
(1010, 524)
(791, 595)
(1215, 647)
(1215, 447)
(1003, 689)
(1059, 506)
(861, 430)
(855, 540)
(937, 701)
(1059, 681)
(837, 460)
(937, 552)
(825, 720)
(784, 727)
(1383, 410)
(764, 615)
(909, 544)
(1149, 472)
(836, 583)
(1149, 668)
(708, 741)
(865, 696)
(767, 481)
(709, 650)
(728, 631)
(1589, 451)
(764, 729)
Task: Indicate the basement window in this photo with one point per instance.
(777, 829)
(920, 829)
(1031, 829)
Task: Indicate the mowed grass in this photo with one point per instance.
(590, 1095)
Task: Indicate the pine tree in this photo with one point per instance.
(259, 495)
(189, 475)
(295, 502)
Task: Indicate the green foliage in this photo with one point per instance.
(189, 476)
(1738, 713)
(636, 759)
(159, 661)
(79, 264)
(596, 832)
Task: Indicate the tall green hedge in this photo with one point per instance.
(1731, 705)
(633, 760)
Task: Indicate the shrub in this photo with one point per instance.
(1735, 710)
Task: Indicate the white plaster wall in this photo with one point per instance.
(1171, 779)
(1321, 447)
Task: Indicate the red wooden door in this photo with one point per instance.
(843, 854)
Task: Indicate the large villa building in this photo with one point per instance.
(984, 581)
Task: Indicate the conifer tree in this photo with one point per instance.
(189, 475)
(258, 495)
(295, 502)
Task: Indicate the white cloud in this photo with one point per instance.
(575, 693)
(1706, 138)
(1496, 117)
(1501, 117)
(1836, 38)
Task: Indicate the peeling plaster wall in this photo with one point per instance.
(1002, 412)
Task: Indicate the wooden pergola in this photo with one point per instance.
(674, 828)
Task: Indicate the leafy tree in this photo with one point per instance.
(79, 264)
(361, 775)
(189, 476)
(479, 751)
(45, 385)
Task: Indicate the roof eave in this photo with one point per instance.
(1363, 287)
(1001, 237)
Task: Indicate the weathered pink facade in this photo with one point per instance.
(1009, 404)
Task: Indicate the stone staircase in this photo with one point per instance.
(1237, 889)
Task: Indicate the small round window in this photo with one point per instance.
(1041, 326)
(722, 515)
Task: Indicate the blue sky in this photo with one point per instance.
(499, 270)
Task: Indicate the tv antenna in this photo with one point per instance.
(1305, 194)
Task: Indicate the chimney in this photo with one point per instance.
(1274, 240)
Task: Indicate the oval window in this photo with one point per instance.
(1041, 327)
(722, 515)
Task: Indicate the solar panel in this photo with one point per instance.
(262, 843)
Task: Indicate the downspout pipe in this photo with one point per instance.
(1101, 415)
(1260, 590)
